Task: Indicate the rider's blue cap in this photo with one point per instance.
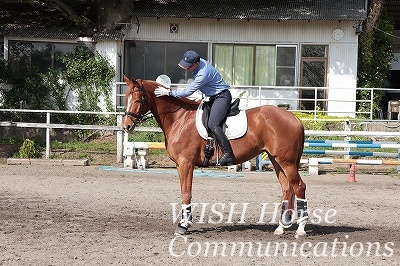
(189, 58)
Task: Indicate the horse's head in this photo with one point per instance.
(136, 106)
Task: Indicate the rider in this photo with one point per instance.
(208, 81)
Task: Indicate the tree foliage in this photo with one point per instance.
(375, 56)
(90, 75)
(24, 88)
(88, 16)
(87, 73)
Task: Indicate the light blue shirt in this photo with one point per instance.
(206, 79)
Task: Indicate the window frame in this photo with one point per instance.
(321, 94)
(31, 44)
(294, 67)
(171, 53)
(255, 62)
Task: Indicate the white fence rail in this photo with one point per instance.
(120, 137)
(48, 125)
(318, 100)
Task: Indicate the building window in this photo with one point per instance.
(148, 60)
(285, 66)
(41, 56)
(235, 63)
(261, 65)
(313, 68)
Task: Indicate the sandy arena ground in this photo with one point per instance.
(88, 215)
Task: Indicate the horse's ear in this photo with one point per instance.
(130, 81)
(127, 80)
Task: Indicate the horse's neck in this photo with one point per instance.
(171, 111)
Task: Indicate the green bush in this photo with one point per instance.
(324, 122)
(28, 149)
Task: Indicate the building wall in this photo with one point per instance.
(342, 74)
(112, 51)
(239, 31)
(342, 58)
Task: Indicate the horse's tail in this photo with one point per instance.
(303, 137)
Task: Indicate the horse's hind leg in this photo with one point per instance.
(287, 206)
(299, 188)
(292, 185)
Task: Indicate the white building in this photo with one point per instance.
(285, 44)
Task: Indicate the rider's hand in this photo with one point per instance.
(161, 91)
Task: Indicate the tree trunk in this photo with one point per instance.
(376, 8)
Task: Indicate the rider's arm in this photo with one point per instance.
(197, 84)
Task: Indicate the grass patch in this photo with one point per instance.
(100, 151)
(93, 146)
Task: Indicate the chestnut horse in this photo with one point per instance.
(270, 129)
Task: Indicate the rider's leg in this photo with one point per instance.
(227, 156)
(218, 112)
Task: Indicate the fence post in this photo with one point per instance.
(313, 166)
(347, 127)
(48, 141)
(120, 156)
(259, 162)
(398, 158)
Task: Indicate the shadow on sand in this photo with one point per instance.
(311, 229)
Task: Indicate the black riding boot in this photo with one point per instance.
(227, 156)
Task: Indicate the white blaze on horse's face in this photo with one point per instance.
(128, 102)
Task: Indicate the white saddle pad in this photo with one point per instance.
(236, 126)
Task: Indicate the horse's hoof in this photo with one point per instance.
(300, 233)
(181, 230)
(301, 229)
(279, 231)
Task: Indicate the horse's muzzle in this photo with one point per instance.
(128, 128)
(128, 125)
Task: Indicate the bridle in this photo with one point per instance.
(139, 116)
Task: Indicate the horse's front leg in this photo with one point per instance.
(185, 171)
(287, 207)
(302, 216)
(286, 219)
